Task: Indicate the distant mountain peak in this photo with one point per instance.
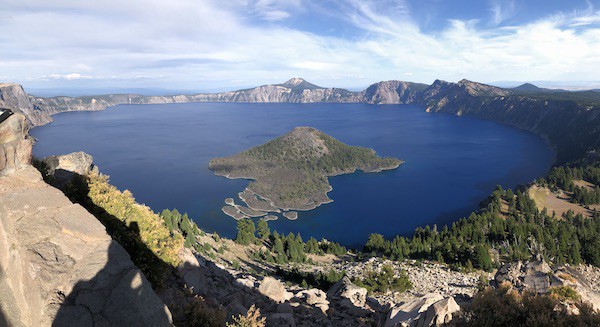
(298, 84)
(527, 87)
(294, 81)
(480, 89)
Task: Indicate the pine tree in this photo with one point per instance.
(246, 230)
(263, 230)
(482, 258)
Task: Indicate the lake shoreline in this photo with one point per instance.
(464, 157)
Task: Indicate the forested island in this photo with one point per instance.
(290, 172)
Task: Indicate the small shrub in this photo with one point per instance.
(565, 293)
(384, 281)
(198, 313)
(251, 319)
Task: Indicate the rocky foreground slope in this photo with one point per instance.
(57, 263)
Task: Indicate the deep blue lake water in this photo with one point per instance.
(161, 154)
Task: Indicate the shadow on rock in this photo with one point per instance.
(119, 294)
(3, 321)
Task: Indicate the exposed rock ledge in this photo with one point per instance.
(58, 266)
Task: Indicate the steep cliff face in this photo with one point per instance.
(15, 144)
(58, 266)
(296, 90)
(59, 104)
(571, 128)
(13, 96)
(392, 92)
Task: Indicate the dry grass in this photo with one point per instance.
(566, 276)
(584, 184)
(558, 203)
(504, 209)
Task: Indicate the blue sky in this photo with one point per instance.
(204, 45)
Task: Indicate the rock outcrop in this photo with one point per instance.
(64, 168)
(12, 96)
(439, 313)
(274, 289)
(430, 310)
(406, 314)
(315, 297)
(79, 163)
(531, 276)
(15, 144)
(58, 266)
(348, 294)
(539, 277)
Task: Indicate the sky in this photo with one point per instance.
(213, 45)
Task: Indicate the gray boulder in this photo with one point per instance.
(439, 313)
(65, 167)
(539, 277)
(348, 294)
(191, 272)
(533, 276)
(407, 314)
(274, 289)
(79, 163)
(315, 297)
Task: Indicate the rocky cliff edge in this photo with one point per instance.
(58, 266)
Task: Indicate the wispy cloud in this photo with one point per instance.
(69, 77)
(502, 10)
(211, 43)
(275, 10)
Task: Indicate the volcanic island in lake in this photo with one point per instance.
(290, 173)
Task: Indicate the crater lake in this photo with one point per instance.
(161, 154)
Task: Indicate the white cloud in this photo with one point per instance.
(502, 10)
(275, 10)
(68, 77)
(201, 44)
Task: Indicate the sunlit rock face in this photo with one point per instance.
(58, 266)
(15, 144)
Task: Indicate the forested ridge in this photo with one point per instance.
(508, 227)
